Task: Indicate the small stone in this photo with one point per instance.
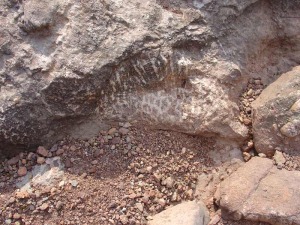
(169, 182)
(44, 206)
(112, 131)
(13, 160)
(95, 162)
(17, 216)
(290, 129)
(247, 156)
(123, 131)
(157, 177)
(60, 151)
(40, 160)
(183, 150)
(174, 197)
(215, 220)
(127, 125)
(73, 148)
(279, 158)
(22, 195)
(11, 200)
(61, 184)
(42, 151)
(54, 148)
(59, 205)
(262, 155)
(8, 221)
(139, 206)
(124, 219)
(22, 171)
(247, 121)
(74, 183)
(162, 202)
(149, 169)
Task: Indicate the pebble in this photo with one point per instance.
(95, 162)
(247, 156)
(279, 158)
(112, 131)
(59, 205)
(74, 183)
(22, 171)
(123, 131)
(42, 151)
(262, 155)
(40, 160)
(44, 206)
(60, 151)
(169, 182)
(8, 221)
(13, 160)
(17, 216)
(215, 220)
(139, 206)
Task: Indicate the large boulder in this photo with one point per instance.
(67, 65)
(276, 115)
(258, 191)
(187, 213)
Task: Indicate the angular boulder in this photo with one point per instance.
(187, 213)
(276, 115)
(258, 191)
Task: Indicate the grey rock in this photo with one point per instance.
(42, 175)
(66, 66)
(187, 213)
(258, 191)
(276, 120)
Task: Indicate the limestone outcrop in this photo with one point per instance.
(65, 66)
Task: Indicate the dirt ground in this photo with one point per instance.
(122, 176)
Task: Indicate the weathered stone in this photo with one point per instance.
(258, 191)
(22, 171)
(276, 120)
(66, 63)
(42, 151)
(279, 158)
(187, 213)
(13, 160)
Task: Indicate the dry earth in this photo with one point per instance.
(121, 176)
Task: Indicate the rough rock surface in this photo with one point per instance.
(181, 65)
(276, 115)
(265, 194)
(188, 213)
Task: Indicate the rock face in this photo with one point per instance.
(276, 115)
(187, 213)
(65, 66)
(265, 194)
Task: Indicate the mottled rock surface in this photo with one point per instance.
(187, 213)
(276, 115)
(65, 66)
(258, 191)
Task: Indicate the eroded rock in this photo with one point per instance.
(276, 119)
(258, 191)
(66, 66)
